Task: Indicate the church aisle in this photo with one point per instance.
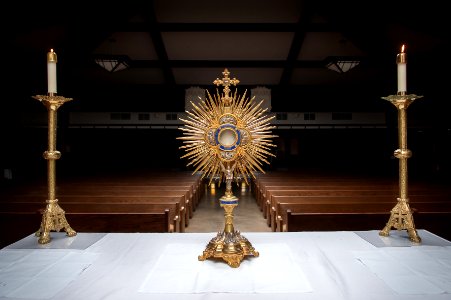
(209, 216)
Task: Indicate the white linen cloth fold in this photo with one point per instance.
(407, 270)
(40, 274)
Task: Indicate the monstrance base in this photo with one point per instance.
(232, 247)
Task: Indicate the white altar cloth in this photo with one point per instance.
(291, 265)
(255, 274)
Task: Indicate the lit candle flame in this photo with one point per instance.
(402, 48)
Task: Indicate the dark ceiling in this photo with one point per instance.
(171, 45)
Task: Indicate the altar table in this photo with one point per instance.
(291, 265)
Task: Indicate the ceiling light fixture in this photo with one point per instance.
(342, 65)
(113, 63)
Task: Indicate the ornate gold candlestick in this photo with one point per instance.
(53, 218)
(401, 216)
(227, 137)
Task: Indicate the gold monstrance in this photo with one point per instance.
(227, 137)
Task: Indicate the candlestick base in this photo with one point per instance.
(401, 219)
(53, 219)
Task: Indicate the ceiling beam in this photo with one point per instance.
(226, 27)
(160, 49)
(261, 64)
(296, 44)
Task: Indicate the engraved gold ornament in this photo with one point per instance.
(227, 135)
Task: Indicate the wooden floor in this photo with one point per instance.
(209, 215)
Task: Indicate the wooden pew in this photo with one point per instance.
(15, 225)
(373, 215)
(114, 191)
(113, 209)
(149, 184)
(335, 190)
(327, 186)
(109, 204)
(192, 190)
(374, 204)
(356, 184)
(343, 190)
(261, 183)
(368, 216)
(176, 179)
(193, 183)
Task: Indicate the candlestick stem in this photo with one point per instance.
(401, 217)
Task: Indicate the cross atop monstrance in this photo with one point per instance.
(226, 82)
(227, 137)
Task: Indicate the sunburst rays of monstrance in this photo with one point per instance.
(228, 137)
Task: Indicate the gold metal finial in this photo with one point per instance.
(226, 82)
(401, 57)
(51, 56)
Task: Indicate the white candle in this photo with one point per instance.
(51, 72)
(402, 71)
